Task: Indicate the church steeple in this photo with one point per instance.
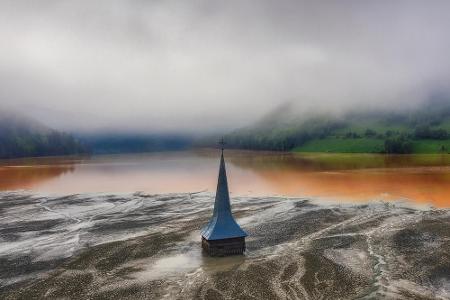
(222, 225)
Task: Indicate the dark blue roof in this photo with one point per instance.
(222, 224)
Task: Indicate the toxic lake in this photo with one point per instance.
(420, 179)
(320, 226)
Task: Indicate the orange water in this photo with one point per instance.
(352, 177)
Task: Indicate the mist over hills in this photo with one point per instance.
(419, 129)
(423, 129)
(197, 67)
(21, 136)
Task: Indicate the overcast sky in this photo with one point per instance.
(210, 65)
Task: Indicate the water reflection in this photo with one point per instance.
(420, 178)
(15, 175)
(330, 162)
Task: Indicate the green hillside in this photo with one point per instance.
(342, 145)
(369, 145)
(423, 130)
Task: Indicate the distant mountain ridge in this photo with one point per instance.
(22, 136)
(114, 143)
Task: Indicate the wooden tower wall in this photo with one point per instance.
(225, 247)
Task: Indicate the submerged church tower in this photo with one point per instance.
(222, 235)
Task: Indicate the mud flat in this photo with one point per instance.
(139, 246)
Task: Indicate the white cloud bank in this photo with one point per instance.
(208, 65)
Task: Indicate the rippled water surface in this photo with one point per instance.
(423, 179)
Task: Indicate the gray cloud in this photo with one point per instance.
(211, 65)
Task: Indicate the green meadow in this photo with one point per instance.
(368, 145)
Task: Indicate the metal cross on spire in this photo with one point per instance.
(222, 144)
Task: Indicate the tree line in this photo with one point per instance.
(30, 144)
(400, 142)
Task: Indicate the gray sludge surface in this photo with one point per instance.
(140, 246)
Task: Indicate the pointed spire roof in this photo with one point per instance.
(222, 224)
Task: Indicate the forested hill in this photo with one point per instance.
(23, 137)
(425, 129)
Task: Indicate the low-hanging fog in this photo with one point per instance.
(201, 66)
